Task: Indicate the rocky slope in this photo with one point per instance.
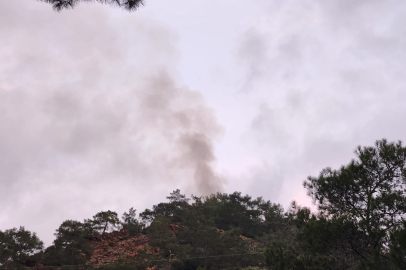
(110, 247)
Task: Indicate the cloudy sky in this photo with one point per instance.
(101, 109)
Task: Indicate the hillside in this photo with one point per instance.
(110, 247)
(360, 224)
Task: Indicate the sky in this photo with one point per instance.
(103, 109)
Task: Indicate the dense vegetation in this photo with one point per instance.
(360, 224)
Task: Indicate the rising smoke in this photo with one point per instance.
(92, 118)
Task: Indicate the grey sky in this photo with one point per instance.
(103, 109)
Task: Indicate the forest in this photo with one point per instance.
(359, 224)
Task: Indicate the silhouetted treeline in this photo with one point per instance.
(360, 224)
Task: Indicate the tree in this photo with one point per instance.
(131, 223)
(16, 245)
(129, 5)
(398, 247)
(253, 216)
(160, 235)
(71, 244)
(173, 210)
(105, 220)
(278, 258)
(367, 196)
(130, 217)
(175, 196)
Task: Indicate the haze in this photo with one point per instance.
(102, 109)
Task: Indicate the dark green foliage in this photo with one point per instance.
(175, 196)
(278, 258)
(146, 259)
(197, 229)
(173, 210)
(186, 264)
(131, 223)
(398, 247)
(129, 5)
(178, 265)
(360, 225)
(253, 217)
(104, 221)
(160, 234)
(71, 244)
(360, 204)
(121, 265)
(16, 245)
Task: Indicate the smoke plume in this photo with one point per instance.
(92, 116)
